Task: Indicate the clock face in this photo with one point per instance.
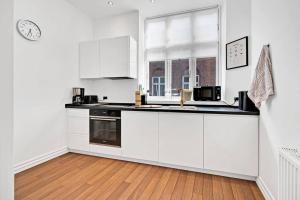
(29, 30)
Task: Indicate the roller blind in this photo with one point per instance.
(193, 34)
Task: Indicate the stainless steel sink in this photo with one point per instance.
(183, 108)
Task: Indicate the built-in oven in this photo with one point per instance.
(105, 127)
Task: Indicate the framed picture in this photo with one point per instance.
(237, 53)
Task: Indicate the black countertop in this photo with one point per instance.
(212, 109)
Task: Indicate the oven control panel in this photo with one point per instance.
(105, 112)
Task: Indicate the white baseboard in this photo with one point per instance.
(264, 189)
(205, 171)
(39, 159)
(48, 156)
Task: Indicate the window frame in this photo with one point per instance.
(159, 84)
(183, 82)
(192, 61)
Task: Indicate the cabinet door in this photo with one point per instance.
(89, 62)
(78, 129)
(78, 125)
(181, 139)
(231, 144)
(140, 135)
(114, 57)
(78, 142)
(133, 58)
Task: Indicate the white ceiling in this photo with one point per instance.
(100, 8)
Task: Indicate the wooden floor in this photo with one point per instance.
(74, 176)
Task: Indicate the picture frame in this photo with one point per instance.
(237, 53)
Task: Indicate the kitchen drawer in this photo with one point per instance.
(78, 112)
(108, 150)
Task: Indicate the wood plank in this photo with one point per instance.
(74, 176)
(138, 175)
(189, 186)
(198, 187)
(151, 186)
(116, 194)
(22, 179)
(104, 190)
(167, 193)
(44, 181)
(207, 187)
(217, 188)
(143, 184)
(240, 190)
(256, 192)
(179, 187)
(246, 190)
(226, 188)
(80, 178)
(161, 185)
(74, 194)
(101, 178)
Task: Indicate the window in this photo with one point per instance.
(157, 78)
(186, 82)
(182, 51)
(206, 71)
(158, 86)
(180, 70)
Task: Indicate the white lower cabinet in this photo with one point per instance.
(140, 135)
(231, 144)
(78, 142)
(78, 129)
(223, 143)
(181, 139)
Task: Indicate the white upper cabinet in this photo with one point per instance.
(109, 58)
(231, 144)
(181, 139)
(118, 57)
(89, 60)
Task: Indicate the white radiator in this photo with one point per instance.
(289, 174)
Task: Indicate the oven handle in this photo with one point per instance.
(113, 119)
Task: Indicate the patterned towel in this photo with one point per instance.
(262, 87)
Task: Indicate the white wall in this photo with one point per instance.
(238, 25)
(6, 106)
(114, 26)
(44, 73)
(235, 24)
(277, 22)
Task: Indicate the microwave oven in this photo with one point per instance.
(207, 93)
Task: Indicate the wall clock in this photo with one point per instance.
(29, 30)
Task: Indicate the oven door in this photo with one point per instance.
(105, 130)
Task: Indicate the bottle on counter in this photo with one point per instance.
(140, 97)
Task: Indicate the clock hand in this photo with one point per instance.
(29, 32)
